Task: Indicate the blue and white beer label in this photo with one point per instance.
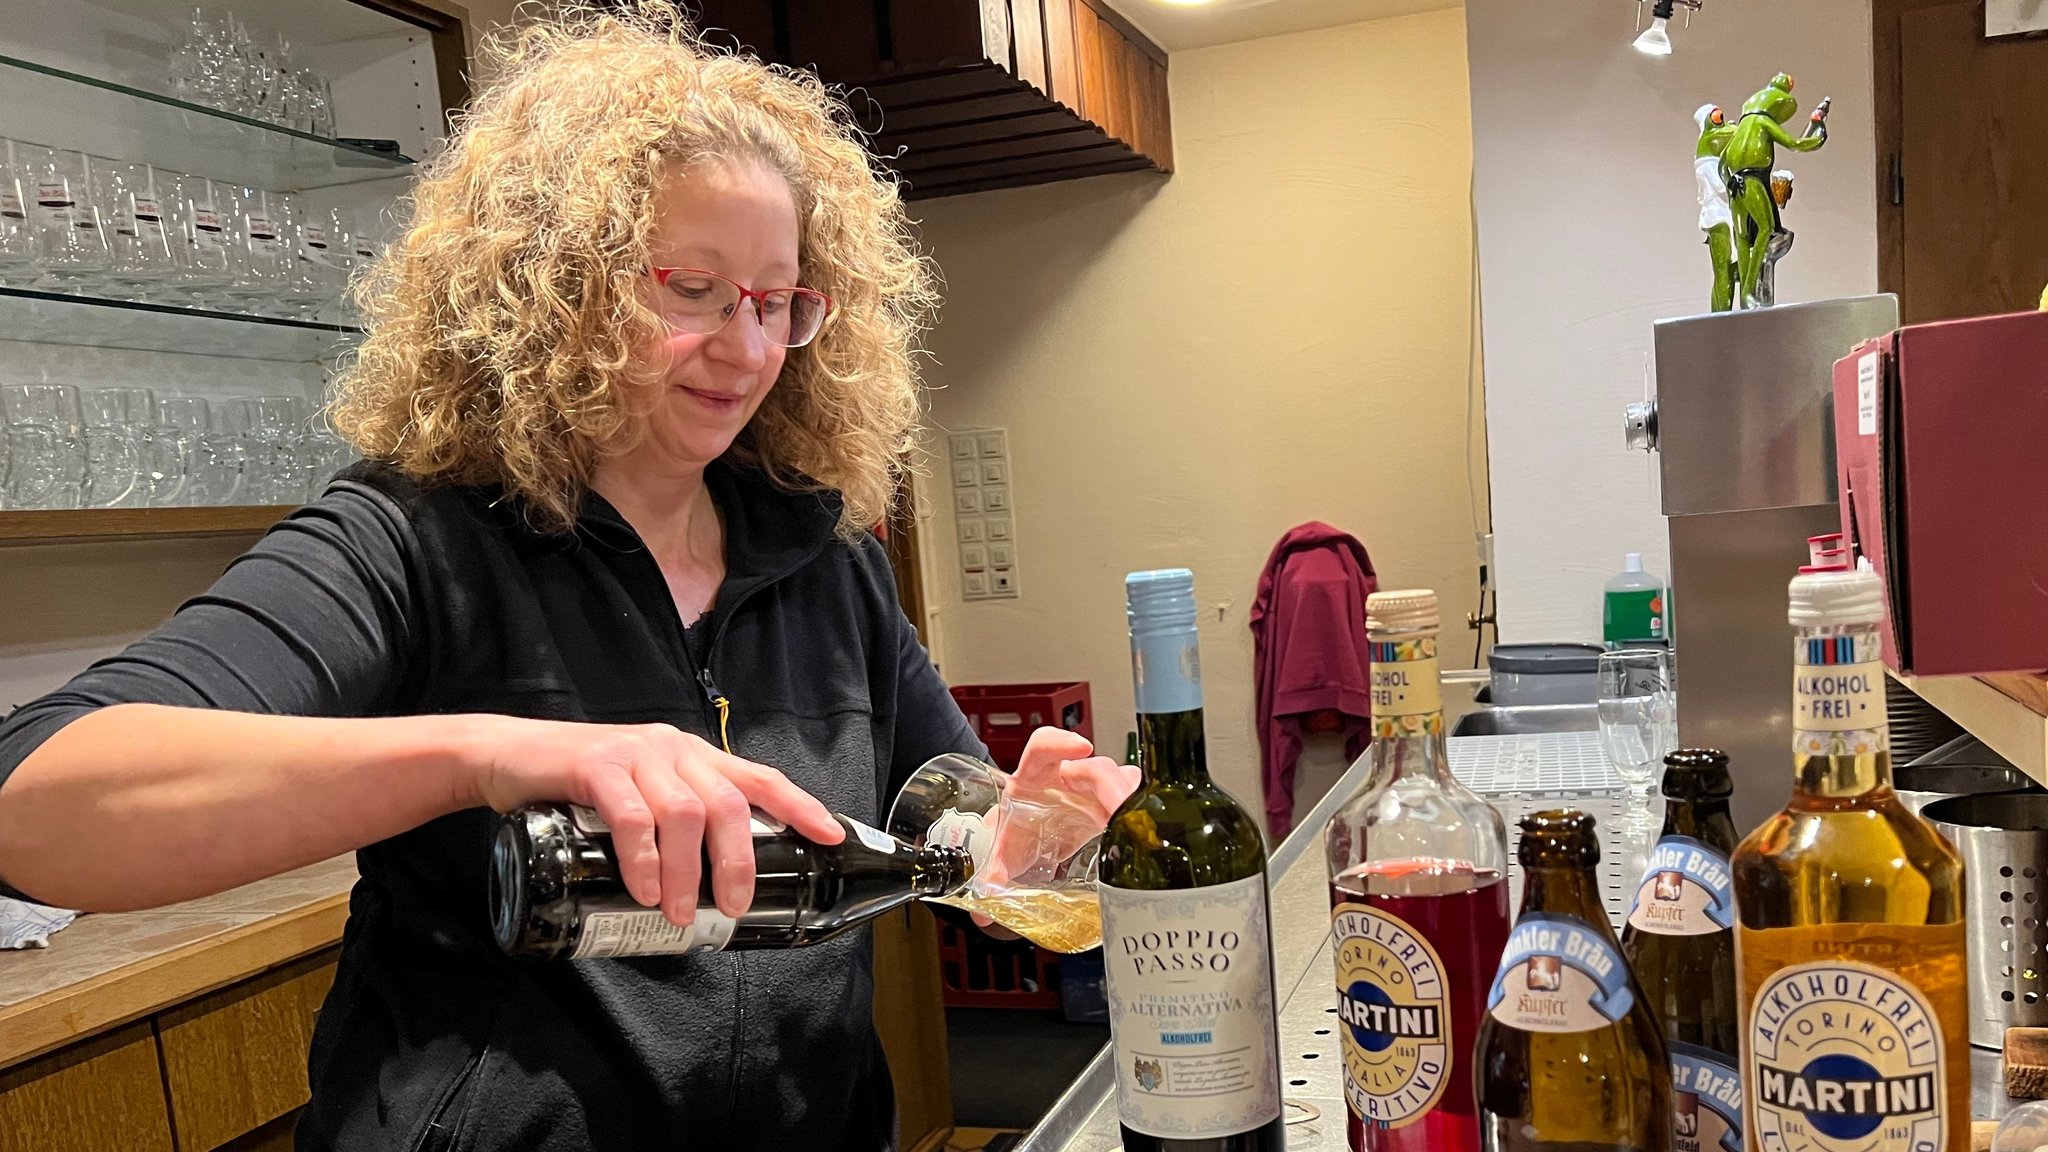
(1396, 1014)
(1706, 1100)
(1688, 890)
(1559, 974)
(1845, 1057)
(1191, 1008)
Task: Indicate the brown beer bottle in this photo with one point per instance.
(1680, 941)
(1570, 1059)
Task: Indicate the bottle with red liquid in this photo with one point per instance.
(1419, 906)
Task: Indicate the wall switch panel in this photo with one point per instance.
(982, 512)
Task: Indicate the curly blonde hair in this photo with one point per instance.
(501, 325)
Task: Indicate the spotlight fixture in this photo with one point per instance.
(1656, 39)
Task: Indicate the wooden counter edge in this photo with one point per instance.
(76, 1011)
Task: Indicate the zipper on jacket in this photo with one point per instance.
(718, 702)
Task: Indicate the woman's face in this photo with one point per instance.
(738, 220)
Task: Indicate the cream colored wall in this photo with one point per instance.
(1190, 366)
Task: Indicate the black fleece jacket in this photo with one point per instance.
(386, 598)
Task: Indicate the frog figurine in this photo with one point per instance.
(1716, 219)
(1747, 161)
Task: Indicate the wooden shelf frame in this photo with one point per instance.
(1993, 714)
(74, 525)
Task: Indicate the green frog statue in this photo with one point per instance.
(1741, 192)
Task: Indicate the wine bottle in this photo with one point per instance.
(556, 892)
(1419, 905)
(1850, 947)
(1186, 938)
(1570, 1059)
(1680, 941)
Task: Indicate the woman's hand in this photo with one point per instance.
(1069, 793)
(668, 796)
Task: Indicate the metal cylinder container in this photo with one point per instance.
(2003, 838)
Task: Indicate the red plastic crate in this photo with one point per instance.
(978, 971)
(1005, 715)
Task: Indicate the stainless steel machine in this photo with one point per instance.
(1743, 428)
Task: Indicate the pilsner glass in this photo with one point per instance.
(71, 245)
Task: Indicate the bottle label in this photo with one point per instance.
(1559, 974)
(965, 830)
(874, 838)
(1407, 697)
(648, 933)
(1166, 672)
(1191, 1009)
(1845, 1056)
(1396, 1014)
(1838, 695)
(1706, 1100)
(1687, 890)
(1633, 616)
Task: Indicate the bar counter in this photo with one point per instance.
(1518, 774)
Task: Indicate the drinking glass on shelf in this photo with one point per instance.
(257, 275)
(17, 235)
(1636, 706)
(326, 454)
(45, 448)
(228, 477)
(143, 247)
(120, 434)
(184, 450)
(71, 245)
(209, 262)
(276, 439)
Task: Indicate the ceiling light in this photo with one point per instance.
(1655, 41)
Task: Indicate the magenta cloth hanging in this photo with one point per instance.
(1309, 653)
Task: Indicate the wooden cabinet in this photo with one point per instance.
(967, 95)
(223, 1070)
(236, 1059)
(102, 1094)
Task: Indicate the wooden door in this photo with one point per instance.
(1962, 121)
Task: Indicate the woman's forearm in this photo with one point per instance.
(139, 805)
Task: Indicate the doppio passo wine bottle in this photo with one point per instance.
(1185, 929)
(556, 892)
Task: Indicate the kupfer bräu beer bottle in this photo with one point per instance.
(556, 892)
(1680, 940)
(1185, 938)
(1419, 905)
(1849, 951)
(1570, 1057)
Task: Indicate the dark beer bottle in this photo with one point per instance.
(556, 892)
(1570, 1057)
(1680, 941)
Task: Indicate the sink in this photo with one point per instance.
(1529, 719)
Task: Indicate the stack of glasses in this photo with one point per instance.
(61, 447)
(218, 63)
(76, 223)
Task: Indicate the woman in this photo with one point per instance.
(621, 468)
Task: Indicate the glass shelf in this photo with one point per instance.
(93, 322)
(63, 109)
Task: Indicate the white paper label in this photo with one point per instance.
(1843, 1057)
(968, 830)
(648, 933)
(1866, 394)
(1191, 1009)
(1837, 697)
(206, 229)
(872, 837)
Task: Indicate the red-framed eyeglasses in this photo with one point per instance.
(694, 300)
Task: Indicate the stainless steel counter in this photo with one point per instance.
(1519, 774)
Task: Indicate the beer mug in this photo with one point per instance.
(1035, 856)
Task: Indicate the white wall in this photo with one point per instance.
(1190, 366)
(1582, 155)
